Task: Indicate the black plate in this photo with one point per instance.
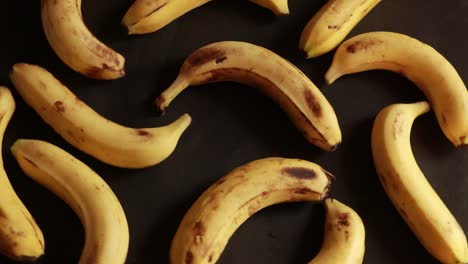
(235, 124)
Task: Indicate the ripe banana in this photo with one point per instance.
(77, 47)
(20, 237)
(332, 23)
(344, 238)
(420, 63)
(408, 189)
(259, 67)
(146, 16)
(105, 225)
(207, 227)
(85, 129)
(278, 7)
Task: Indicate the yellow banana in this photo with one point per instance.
(344, 238)
(87, 130)
(77, 47)
(146, 16)
(256, 66)
(408, 189)
(104, 221)
(20, 237)
(420, 63)
(207, 227)
(278, 7)
(332, 23)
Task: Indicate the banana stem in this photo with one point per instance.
(166, 97)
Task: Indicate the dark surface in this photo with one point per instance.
(234, 124)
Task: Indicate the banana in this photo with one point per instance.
(344, 238)
(85, 129)
(77, 47)
(278, 7)
(146, 16)
(259, 67)
(208, 225)
(420, 63)
(408, 189)
(104, 221)
(332, 23)
(20, 237)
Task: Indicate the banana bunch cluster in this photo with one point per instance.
(208, 225)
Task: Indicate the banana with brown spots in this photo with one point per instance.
(407, 187)
(20, 237)
(256, 66)
(420, 63)
(211, 221)
(146, 16)
(85, 129)
(103, 218)
(344, 236)
(73, 42)
(332, 23)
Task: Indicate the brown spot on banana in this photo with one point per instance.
(59, 106)
(312, 102)
(189, 257)
(206, 55)
(198, 232)
(143, 133)
(346, 234)
(220, 181)
(220, 60)
(343, 219)
(299, 173)
(15, 233)
(397, 127)
(360, 45)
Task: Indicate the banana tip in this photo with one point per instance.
(160, 104)
(335, 147)
(16, 145)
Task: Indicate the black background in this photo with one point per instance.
(235, 124)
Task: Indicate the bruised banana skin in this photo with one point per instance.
(211, 221)
(73, 42)
(104, 221)
(420, 63)
(407, 187)
(332, 23)
(21, 239)
(258, 67)
(85, 129)
(344, 238)
(146, 16)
